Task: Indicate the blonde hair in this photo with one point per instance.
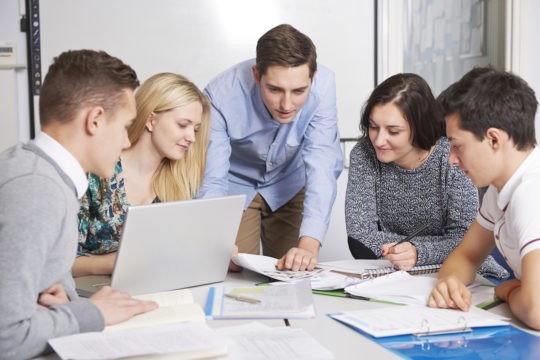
(174, 179)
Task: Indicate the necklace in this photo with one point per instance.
(422, 160)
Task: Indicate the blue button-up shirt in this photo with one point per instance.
(249, 152)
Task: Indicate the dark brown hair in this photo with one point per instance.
(285, 46)
(413, 97)
(484, 98)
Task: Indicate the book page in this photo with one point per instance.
(174, 306)
(169, 298)
(185, 341)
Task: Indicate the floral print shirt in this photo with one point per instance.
(102, 213)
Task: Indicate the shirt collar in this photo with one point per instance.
(65, 160)
(508, 189)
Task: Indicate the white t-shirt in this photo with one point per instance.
(513, 215)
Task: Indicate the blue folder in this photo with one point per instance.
(501, 342)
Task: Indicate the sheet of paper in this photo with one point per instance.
(399, 320)
(321, 279)
(403, 288)
(255, 341)
(185, 340)
(267, 266)
(398, 287)
(355, 266)
(288, 300)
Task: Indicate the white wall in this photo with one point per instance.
(201, 38)
(523, 52)
(335, 246)
(530, 50)
(14, 110)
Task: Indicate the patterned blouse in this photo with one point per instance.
(102, 213)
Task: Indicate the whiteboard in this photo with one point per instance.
(202, 38)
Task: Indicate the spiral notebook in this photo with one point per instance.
(368, 269)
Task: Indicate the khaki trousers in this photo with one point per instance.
(277, 231)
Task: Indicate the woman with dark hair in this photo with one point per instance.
(400, 181)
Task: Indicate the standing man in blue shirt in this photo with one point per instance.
(274, 137)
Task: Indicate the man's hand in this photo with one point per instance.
(54, 295)
(117, 306)
(450, 293)
(402, 256)
(303, 257)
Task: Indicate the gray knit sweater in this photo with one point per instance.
(384, 203)
(38, 242)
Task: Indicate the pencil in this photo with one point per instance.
(413, 234)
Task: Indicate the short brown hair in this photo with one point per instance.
(80, 78)
(285, 46)
(486, 97)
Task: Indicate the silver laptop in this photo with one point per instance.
(172, 245)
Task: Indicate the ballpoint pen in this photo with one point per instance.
(243, 298)
(413, 234)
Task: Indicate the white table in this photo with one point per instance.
(342, 341)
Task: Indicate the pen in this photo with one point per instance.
(413, 234)
(243, 298)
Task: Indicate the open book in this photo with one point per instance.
(174, 306)
(401, 320)
(176, 328)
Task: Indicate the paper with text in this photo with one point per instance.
(255, 341)
(185, 341)
(288, 300)
(401, 320)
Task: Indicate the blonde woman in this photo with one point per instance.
(166, 162)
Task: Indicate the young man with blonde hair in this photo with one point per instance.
(86, 106)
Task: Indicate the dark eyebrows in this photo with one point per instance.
(371, 122)
(274, 87)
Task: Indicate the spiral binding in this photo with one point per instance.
(373, 273)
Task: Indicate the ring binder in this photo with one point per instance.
(417, 321)
(458, 329)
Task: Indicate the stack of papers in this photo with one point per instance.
(401, 320)
(321, 279)
(284, 301)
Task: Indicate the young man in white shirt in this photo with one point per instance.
(490, 122)
(86, 106)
